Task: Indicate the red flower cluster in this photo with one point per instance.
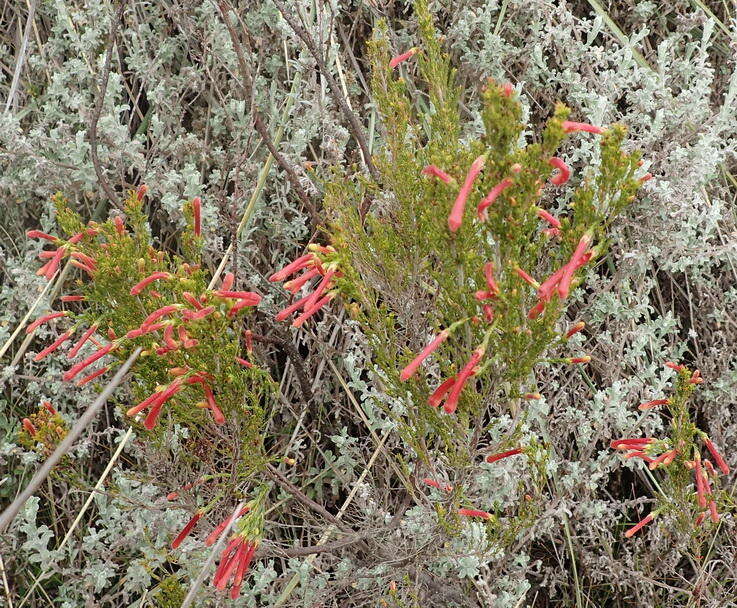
(455, 219)
(561, 279)
(311, 265)
(659, 453)
(54, 257)
(172, 320)
(235, 558)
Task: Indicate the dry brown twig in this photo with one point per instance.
(98, 108)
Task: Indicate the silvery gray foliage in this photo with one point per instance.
(173, 118)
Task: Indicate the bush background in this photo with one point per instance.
(173, 117)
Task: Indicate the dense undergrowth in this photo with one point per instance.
(434, 425)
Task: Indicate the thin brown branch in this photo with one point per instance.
(246, 84)
(287, 485)
(296, 359)
(98, 108)
(274, 551)
(353, 124)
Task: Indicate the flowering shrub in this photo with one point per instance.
(677, 454)
(455, 426)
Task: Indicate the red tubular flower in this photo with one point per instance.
(488, 313)
(578, 360)
(248, 335)
(141, 285)
(197, 215)
(241, 570)
(290, 269)
(80, 343)
(49, 408)
(700, 519)
(28, 426)
(696, 377)
(145, 329)
(664, 459)
(234, 562)
(551, 219)
(434, 171)
(163, 397)
(228, 281)
(456, 215)
(705, 482)
(532, 396)
(710, 468)
(573, 264)
(397, 59)
(169, 337)
(48, 270)
(575, 329)
(564, 173)
(507, 89)
(149, 401)
(72, 298)
(222, 525)
(628, 443)
(474, 513)
(295, 285)
(93, 375)
(651, 404)
(250, 297)
(646, 178)
(141, 192)
(545, 292)
(489, 199)
(675, 366)
(52, 347)
(435, 343)
(526, 277)
(536, 310)
(45, 319)
(500, 455)
(439, 394)
(244, 363)
(322, 286)
(570, 127)
(436, 484)
(88, 269)
(159, 313)
(203, 312)
(239, 305)
(187, 529)
(310, 312)
(699, 478)
(85, 259)
(192, 300)
(634, 529)
(37, 234)
(119, 224)
(489, 276)
(285, 312)
(86, 362)
(713, 511)
(74, 239)
(721, 463)
(217, 414)
(451, 403)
